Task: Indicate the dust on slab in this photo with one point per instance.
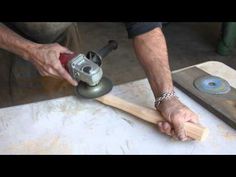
(227, 134)
(42, 145)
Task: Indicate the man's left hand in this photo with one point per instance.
(175, 113)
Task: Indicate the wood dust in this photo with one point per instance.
(41, 145)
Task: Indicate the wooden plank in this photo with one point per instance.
(194, 131)
(223, 106)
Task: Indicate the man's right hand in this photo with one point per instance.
(45, 57)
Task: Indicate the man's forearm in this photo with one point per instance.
(152, 53)
(11, 41)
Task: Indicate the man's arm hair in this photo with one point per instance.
(151, 50)
(12, 42)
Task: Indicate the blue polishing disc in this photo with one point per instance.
(212, 85)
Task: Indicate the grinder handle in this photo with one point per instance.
(64, 58)
(112, 45)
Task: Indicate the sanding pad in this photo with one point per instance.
(212, 85)
(90, 92)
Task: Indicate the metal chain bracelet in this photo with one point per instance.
(164, 96)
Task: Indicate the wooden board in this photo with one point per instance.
(223, 106)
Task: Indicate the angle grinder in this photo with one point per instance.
(86, 69)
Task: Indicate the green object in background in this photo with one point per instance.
(227, 39)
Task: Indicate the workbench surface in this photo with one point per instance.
(74, 126)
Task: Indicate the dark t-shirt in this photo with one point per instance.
(47, 32)
(41, 32)
(137, 28)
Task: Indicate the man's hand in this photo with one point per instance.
(176, 113)
(45, 57)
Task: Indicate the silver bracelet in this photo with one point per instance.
(164, 96)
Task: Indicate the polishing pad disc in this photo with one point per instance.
(212, 85)
(89, 92)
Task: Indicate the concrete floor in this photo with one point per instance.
(188, 44)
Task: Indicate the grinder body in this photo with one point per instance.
(83, 69)
(88, 70)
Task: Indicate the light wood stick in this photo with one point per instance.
(194, 131)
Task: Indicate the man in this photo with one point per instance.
(40, 49)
